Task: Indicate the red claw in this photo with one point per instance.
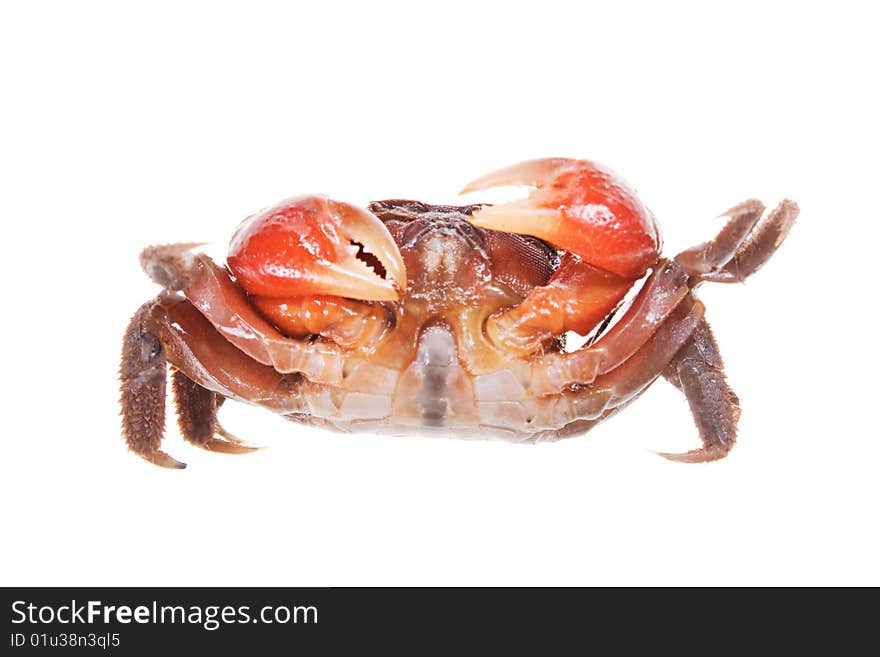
(578, 206)
(313, 245)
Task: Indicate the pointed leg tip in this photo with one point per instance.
(163, 460)
(230, 437)
(789, 211)
(222, 446)
(235, 440)
(790, 205)
(702, 455)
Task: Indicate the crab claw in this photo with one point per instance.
(577, 206)
(312, 245)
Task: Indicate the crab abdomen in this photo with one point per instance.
(435, 392)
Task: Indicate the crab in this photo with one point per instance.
(408, 317)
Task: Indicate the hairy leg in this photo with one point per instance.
(718, 251)
(698, 371)
(743, 245)
(170, 330)
(197, 417)
(142, 385)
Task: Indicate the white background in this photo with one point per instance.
(123, 127)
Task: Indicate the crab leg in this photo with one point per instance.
(665, 288)
(170, 331)
(743, 245)
(630, 378)
(194, 345)
(627, 381)
(227, 308)
(142, 379)
(589, 404)
(698, 371)
(197, 417)
(740, 249)
(715, 253)
(225, 305)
